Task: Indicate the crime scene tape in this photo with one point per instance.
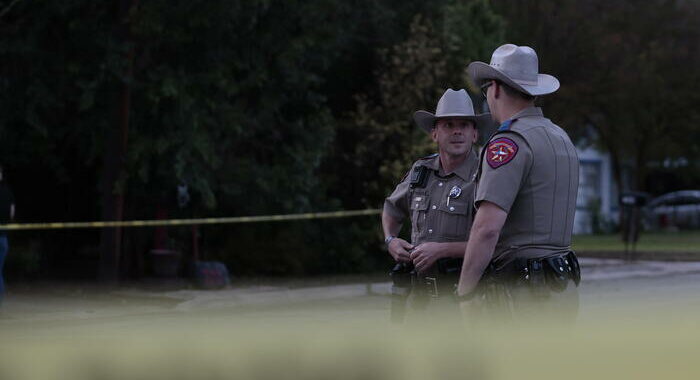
(180, 222)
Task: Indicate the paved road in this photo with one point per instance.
(637, 321)
(608, 286)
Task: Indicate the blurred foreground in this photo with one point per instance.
(637, 320)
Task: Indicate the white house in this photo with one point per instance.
(597, 192)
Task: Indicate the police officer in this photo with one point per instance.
(436, 195)
(519, 258)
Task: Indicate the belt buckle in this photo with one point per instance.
(431, 287)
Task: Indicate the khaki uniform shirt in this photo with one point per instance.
(433, 217)
(530, 169)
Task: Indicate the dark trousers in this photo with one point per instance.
(533, 290)
(523, 303)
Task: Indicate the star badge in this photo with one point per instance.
(455, 192)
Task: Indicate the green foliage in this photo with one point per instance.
(412, 75)
(660, 243)
(231, 101)
(618, 62)
(470, 31)
(302, 248)
(48, 98)
(260, 107)
(272, 106)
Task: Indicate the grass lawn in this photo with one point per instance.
(685, 241)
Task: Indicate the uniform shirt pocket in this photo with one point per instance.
(454, 221)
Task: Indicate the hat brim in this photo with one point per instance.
(480, 72)
(426, 120)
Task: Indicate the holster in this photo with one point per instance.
(557, 275)
(402, 284)
(572, 261)
(536, 277)
(542, 275)
(494, 291)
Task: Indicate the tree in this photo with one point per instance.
(225, 96)
(618, 64)
(262, 106)
(470, 30)
(379, 140)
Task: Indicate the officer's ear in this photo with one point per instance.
(497, 89)
(433, 133)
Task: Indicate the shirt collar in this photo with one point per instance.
(433, 163)
(528, 112)
(465, 170)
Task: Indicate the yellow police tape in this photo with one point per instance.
(179, 222)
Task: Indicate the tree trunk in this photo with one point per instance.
(114, 157)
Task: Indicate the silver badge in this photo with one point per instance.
(455, 192)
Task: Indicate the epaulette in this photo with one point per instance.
(428, 157)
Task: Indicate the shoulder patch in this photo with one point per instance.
(500, 152)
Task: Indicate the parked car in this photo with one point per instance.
(679, 209)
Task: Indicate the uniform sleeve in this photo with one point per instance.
(396, 204)
(506, 161)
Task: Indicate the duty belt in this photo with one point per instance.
(440, 283)
(554, 271)
(445, 282)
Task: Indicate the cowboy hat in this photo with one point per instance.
(517, 67)
(452, 104)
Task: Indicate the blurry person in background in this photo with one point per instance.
(518, 261)
(7, 214)
(436, 195)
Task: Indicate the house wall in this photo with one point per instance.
(596, 185)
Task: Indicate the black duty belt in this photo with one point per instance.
(550, 272)
(445, 281)
(554, 271)
(438, 284)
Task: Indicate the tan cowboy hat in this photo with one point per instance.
(517, 67)
(452, 104)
